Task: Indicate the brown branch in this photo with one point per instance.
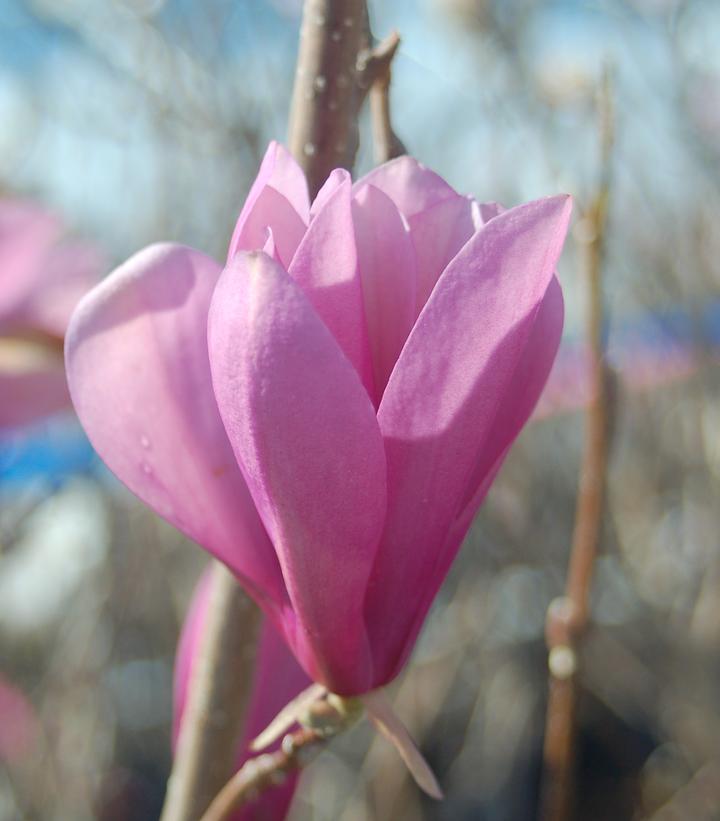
(265, 771)
(338, 66)
(323, 130)
(323, 718)
(218, 695)
(567, 617)
(387, 145)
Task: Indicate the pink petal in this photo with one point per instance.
(325, 267)
(410, 185)
(530, 376)
(277, 679)
(139, 376)
(277, 200)
(531, 373)
(453, 404)
(438, 233)
(336, 179)
(305, 434)
(387, 267)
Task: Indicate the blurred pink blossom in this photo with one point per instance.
(42, 277)
(325, 415)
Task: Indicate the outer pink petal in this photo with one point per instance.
(531, 375)
(325, 266)
(305, 434)
(139, 376)
(277, 680)
(438, 233)
(455, 402)
(387, 268)
(410, 185)
(277, 200)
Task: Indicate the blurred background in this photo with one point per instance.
(139, 120)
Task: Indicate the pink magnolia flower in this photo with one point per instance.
(277, 680)
(326, 415)
(41, 282)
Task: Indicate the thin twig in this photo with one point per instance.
(218, 695)
(567, 617)
(265, 771)
(387, 145)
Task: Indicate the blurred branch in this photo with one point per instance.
(567, 617)
(219, 691)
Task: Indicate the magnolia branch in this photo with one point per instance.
(323, 131)
(265, 771)
(568, 616)
(337, 66)
(376, 71)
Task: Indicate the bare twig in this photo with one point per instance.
(567, 617)
(217, 698)
(322, 716)
(387, 144)
(265, 771)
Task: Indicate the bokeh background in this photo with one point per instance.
(139, 120)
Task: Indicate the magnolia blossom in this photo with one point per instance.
(41, 281)
(326, 412)
(277, 679)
